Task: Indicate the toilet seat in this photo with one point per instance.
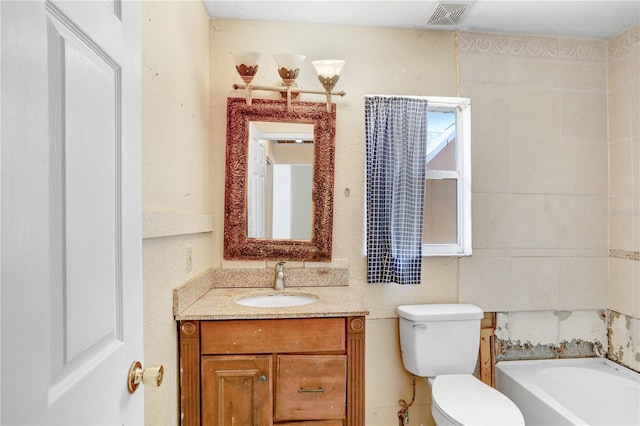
(464, 400)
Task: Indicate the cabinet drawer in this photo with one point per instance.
(311, 387)
(273, 336)
(314, 423)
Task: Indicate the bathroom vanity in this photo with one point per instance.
(265, 356)
(301, 365)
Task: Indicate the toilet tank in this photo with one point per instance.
(438, 339)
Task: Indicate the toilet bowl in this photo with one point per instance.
(462, 399)
(440, 342)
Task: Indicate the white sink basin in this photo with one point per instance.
(277, 300)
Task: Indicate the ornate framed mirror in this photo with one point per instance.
(266, 141)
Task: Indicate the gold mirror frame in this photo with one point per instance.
(237, 246)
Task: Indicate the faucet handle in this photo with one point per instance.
(279, 281)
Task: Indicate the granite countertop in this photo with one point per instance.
(219, 304)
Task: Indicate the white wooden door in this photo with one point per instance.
(70, 209)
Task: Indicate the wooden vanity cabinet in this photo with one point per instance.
(262, 372)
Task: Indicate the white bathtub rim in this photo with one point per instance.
(516, 377)
(573, 362)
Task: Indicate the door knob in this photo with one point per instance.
(150, 376)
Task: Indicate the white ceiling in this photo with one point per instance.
(568, 18)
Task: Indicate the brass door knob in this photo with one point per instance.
(150, 376)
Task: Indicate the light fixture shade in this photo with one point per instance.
(288, 61)
(288, 67)
(328, 68)
(247, 64)
(248, 58)
(328, 72)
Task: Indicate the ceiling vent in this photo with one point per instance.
(449, 14)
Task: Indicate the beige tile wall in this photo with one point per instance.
(624, 165)
(624, 201)
(540, 172)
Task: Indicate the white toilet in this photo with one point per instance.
(440, 343)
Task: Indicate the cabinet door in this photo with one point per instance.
(237, 390)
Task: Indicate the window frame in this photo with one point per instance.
(463, 247)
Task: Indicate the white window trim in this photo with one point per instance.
(463, 176)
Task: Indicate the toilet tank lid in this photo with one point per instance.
(440, 312)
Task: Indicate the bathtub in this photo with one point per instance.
(581, 391)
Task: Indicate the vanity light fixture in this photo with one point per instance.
(288, 66)
(247, 67)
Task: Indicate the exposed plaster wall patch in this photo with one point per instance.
(624, 340)
(551, 334)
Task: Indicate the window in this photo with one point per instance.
(447, 212)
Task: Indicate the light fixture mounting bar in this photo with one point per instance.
(285, 89)
(289, 90)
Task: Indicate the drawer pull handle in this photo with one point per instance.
(263, 378)
(319, 390)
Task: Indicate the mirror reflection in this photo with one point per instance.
(279, 180)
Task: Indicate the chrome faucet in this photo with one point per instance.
(279, 281)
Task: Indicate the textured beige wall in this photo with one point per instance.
(381, 61)
(378, 61)
(176, 196)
